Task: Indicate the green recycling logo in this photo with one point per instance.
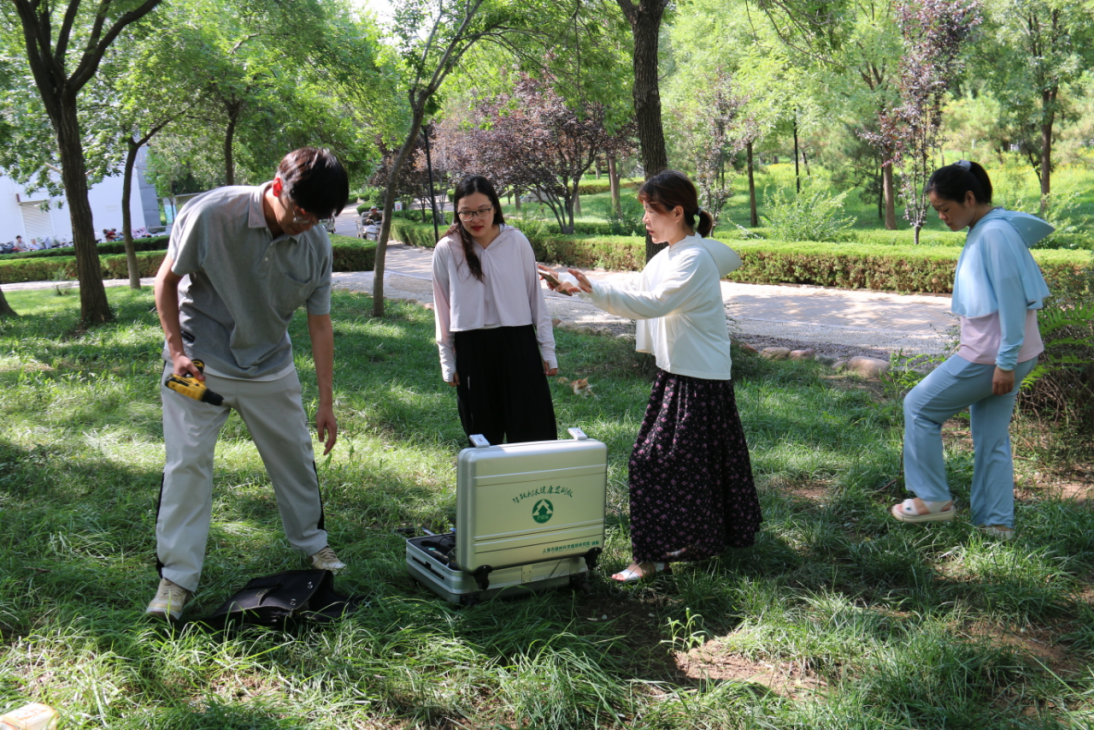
(542, 511)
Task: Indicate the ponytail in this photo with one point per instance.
(701, 222)
(954, 181)
(668, 189)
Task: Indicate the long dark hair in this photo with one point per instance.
(468, 186)
(954, 181)
(668, 189)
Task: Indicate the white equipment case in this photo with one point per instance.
(529, 516)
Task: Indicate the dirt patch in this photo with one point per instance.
(810, 490)
(1039, 642)
(845, 381)
(712, 661)
(1074, 491)
(31, 366)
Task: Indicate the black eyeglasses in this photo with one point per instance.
(302, 217)
(467, 215)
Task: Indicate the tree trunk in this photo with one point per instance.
(517, 201)
(614, 186)
(5, 308)
(645, 18)
(887, 197)
(880, 193)
(417, 114)
(916, 235)
(94, 306)
(127, 218)
(794, 129)
(1049, 96)
(229, 138)
(754, 221)
(577, 203)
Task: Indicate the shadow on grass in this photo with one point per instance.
(78, 548)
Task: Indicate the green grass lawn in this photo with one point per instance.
(839, 617)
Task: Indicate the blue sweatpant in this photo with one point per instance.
(950, 388)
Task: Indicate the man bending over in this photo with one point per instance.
(241, 260)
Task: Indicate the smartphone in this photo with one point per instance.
(548, 277)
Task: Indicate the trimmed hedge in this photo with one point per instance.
(887, 268)
(927, 269)
(352, 254)
(594, 187)
(349, 254)
(403, 229)
(152, 243)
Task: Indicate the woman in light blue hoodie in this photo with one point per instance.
(997, 291)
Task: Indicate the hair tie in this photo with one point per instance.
(964, 164)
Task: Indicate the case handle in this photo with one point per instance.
(479, 441)
(577, 434)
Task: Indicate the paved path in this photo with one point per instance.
(854, 320)
(841, 321)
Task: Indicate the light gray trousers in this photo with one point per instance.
(274, 414)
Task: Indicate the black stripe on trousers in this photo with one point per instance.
(159, 505)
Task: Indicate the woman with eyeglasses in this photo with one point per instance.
(493, 327)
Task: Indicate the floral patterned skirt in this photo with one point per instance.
(692, 492)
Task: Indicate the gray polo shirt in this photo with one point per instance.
(241, 285)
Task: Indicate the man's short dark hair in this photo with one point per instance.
(316, 181)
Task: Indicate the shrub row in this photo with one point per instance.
(593, 187)
(533, 229)
(153, 243)
(887, 268)
(352, 254)
(928, 269)
(349, 254)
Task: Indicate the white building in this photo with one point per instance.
(22, 214)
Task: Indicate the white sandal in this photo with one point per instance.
(634, 576)
(998, 532)
(937, 511)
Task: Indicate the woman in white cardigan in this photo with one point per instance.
(691, 483)
(493, 327)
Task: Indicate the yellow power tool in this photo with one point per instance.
(192, 387)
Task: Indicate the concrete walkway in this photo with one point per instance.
(840, 321)
(854, 320)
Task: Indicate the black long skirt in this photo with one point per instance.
(503, 393)
(692, 492)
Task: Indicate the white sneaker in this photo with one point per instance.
(169, 602)
(326, 559)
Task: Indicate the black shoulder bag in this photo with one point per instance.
(282, 599)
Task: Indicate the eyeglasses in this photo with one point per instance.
(302, 217)
(467, 215)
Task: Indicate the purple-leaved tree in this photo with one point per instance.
(535, 141)
(934, 33)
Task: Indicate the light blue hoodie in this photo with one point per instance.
(996, 273)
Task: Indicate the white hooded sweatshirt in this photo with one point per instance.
(678, 308)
